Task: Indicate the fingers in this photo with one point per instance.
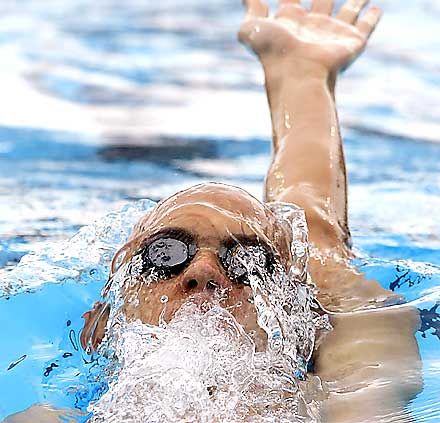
(256, 9)
(290, 9)
(282, 3)
(324, 7)
(367, 24)
(349, 12)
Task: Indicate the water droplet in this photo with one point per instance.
(300, 250)
(287, 121)
(162, 322)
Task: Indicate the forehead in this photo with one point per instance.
(211, 209)
(223, 196)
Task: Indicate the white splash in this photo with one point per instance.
(201, 368)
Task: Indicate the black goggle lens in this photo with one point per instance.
(242, 260)
(167, 252)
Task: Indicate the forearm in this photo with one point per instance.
(308, 164)
(290, 83)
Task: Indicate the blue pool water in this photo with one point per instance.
(103, 105)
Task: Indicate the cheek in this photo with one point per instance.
(238, 304)
(239, 294)
(146, 303)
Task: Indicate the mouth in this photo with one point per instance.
(233, 301)
(237, 300)
(213, 294)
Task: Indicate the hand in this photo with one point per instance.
(314, 36)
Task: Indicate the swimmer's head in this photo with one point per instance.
(193, 245)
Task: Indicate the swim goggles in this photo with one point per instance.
(169, 251)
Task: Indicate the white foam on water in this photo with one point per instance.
(201, 368)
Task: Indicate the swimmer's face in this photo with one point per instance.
(191, 242)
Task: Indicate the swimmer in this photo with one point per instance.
(370, 359)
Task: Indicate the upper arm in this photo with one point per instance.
(371, 363)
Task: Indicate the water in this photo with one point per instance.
(94, 95)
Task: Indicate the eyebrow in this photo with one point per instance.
(243, 239)
(171, 232)
(185, 235)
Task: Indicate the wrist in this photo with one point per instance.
(280, 71)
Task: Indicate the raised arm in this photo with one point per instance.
(301, 52)
(370, 360)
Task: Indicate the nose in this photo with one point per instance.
(204, 272)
